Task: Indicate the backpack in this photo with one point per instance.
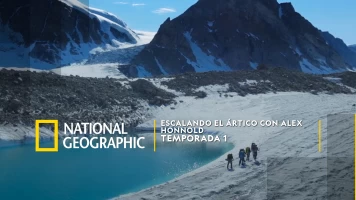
(229, 156)
(242, 154)
(248, 150)
(254, 147)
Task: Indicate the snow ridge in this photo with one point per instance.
(107, 19)
(204, 62)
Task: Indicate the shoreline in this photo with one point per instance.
(4, 144)
(28, 136)
(203, 168)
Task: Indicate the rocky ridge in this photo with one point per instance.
(353, 47)
(259, 82)
(217, 35)
(343, 50)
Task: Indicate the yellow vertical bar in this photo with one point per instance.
(55, 135)
(37, 135)
(355, 155)
(154, 135)
(319, 135)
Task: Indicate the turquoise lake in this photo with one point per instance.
(97, 174)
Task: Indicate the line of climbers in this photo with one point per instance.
(242, 154)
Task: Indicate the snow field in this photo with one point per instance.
(213, 181)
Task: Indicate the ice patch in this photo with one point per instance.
(160, 67)
(333, 79)
(160, 46)
(280, 12)
(307, 67)
(248, 82)
(253, 65)
(210, 23)
(297, 50)
(252, 35)
(213, 89)
(158, 83)
(96, 70)
(141, 72)
(322, 61)
(204, 62)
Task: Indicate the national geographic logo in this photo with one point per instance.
(89, 135)
(55, 136)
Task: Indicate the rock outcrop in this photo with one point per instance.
(345, 52)
(353, 47)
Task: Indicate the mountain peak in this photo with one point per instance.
(224, 35)
(288, 7)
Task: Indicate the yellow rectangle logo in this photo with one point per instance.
(55, 137)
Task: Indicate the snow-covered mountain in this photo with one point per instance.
(236, 34)
(52, 33)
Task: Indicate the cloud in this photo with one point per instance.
(120, 2)
(138, 4)
(164, 10)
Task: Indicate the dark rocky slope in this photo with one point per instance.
(258, 82)
(26, 96)
(223, 35)
(353, 47)
(347, 78)
(345, 52)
